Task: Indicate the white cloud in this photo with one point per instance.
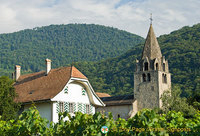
(129, 15)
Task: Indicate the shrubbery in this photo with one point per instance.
(145, 122)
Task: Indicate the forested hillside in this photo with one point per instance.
(63, 44)
(181, 48)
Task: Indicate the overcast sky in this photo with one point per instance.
(130, 15)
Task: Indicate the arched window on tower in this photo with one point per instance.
(163, 78)
(163, 66)
(144, 77)
(148, 77)
(156, 66)
(146, 66)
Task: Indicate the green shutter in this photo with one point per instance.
(66, 106)
(80, 107)
(57, 107)
(84, 108)
(83, 91)
(74, 106)
(91, 108)
(66, 90)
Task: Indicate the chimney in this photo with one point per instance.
(17, 72)
(48, 65)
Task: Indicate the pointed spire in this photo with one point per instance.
(151, 48)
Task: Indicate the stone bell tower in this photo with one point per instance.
(152, 76)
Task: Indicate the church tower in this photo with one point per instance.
(152, 76)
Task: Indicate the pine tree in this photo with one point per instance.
(8, 108)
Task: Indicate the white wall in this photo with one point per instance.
(123, 110)
(44, 109)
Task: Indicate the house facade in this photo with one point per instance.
(56, 90)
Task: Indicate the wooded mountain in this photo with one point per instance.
(63, 44)
(181, 48)
(85, 43)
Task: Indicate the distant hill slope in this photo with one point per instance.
(181, 48)
(63, 44)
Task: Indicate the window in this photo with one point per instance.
(163, 66)
(164, 78)
(83, 91)
(87, 109)
(146, 66)
(118, 116)
(144, 77)
(66, 90)
(148, 77)
(156, 66)
(61, 106)
(72, 107)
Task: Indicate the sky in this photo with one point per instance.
(129, 15)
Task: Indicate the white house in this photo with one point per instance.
(56, 90)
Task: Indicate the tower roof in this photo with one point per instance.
(151, 48)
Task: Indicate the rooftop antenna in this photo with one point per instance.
(151, 19)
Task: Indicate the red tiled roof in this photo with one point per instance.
(102, 94)
(39, 86)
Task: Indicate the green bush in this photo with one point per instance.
(144, 123)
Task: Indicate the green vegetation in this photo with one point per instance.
(8, 108)
(173, 102)
(145, 122)
(63, 44)
(181, 48)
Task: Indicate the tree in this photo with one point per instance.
(173, 102)
(8, 108)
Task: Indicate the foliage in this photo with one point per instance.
(172, 101)
(8, 108)
(63, 44)
(145, 122)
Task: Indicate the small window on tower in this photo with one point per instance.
(163, 66)
(148, 77)
(165, 78)
(156, 66)
(144, 77)
(146, 66)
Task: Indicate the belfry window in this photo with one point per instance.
(146, 66)
(144, 77)
(163, 66)
(156, 66)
